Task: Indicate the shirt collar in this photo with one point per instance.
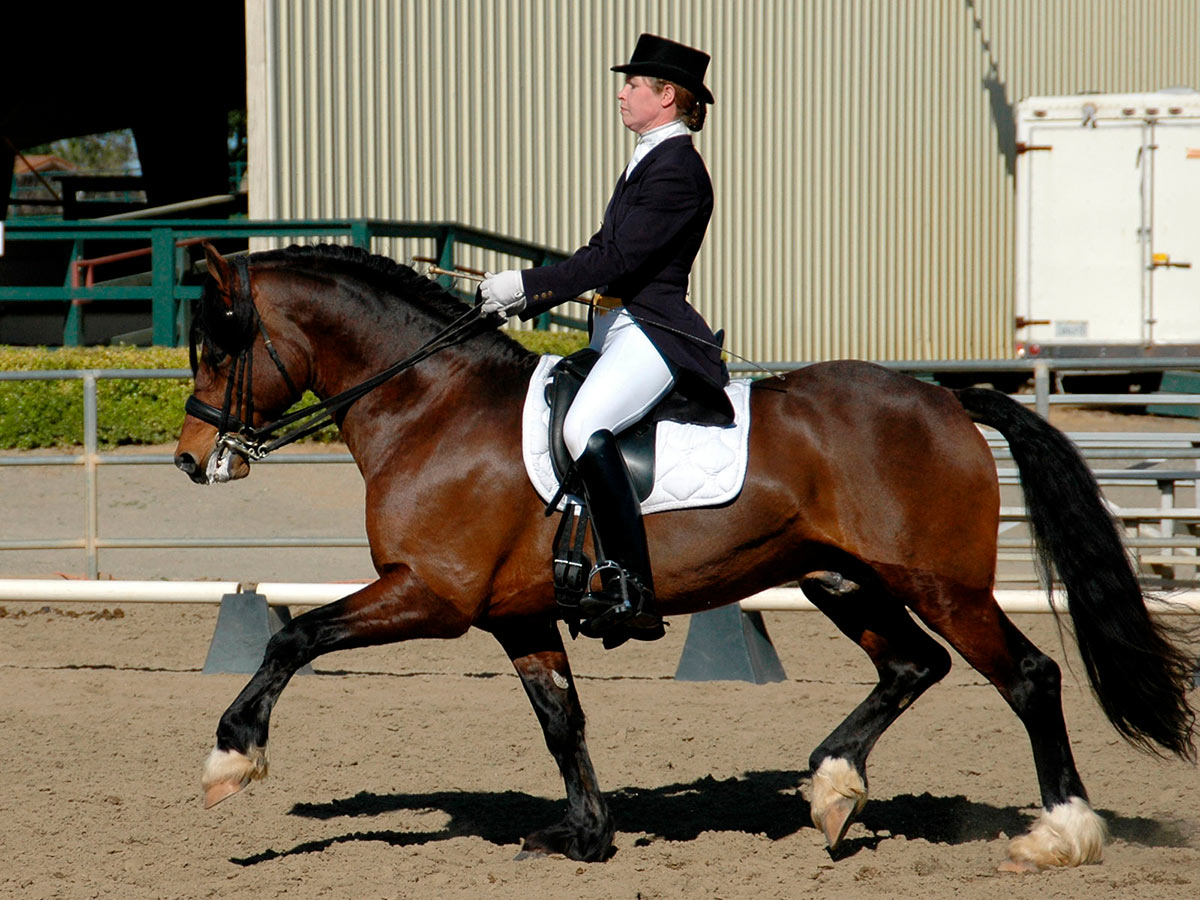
(648, 140)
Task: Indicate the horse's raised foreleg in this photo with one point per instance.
(908, 662)
(1069, 832)
(536, 650)
(397, 607)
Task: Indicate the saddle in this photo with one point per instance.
(637, 442)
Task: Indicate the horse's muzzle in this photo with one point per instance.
(187, 464)
(219, 466)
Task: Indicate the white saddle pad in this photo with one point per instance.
(694, 465)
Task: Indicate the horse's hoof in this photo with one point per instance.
(837, 821)
(567, 841)
(838, 795)
(227, 771)
(553, 841)
(214, 794)
(1068, 834)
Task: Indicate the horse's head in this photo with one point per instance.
(241, 369)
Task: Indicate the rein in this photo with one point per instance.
(253, 442)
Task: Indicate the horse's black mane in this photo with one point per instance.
(214, 328)
(386, 273)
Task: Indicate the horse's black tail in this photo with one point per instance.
(1139, 675)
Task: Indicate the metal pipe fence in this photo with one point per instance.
(91, 460)
(163, 239)
(1041, 369)
(1141, 449)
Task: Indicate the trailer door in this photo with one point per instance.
(1083, 247)
(1173, 269)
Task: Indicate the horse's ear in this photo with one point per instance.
(220, 270)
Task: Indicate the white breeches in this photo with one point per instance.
(628, 379)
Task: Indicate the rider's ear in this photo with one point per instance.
(220, 270)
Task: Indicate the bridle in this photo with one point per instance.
(236, 435)
(229, 421)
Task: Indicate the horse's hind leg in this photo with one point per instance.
(908, 662)
(1069, 832)
(536, 650)
(397, 607)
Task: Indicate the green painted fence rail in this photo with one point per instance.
(167, 295)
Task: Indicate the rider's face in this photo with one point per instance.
(642, 107)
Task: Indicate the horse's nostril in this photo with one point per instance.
(185, 462)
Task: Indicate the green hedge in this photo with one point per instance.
(37, 414)
(560, 343)
(50, 413)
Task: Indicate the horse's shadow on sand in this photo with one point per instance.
(767, 803)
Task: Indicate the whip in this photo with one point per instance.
(476, 276)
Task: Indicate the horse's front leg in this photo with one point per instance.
(397, 607)
(536, 650)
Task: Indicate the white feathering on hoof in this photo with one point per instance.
(835, 779)
(233, 770)
(1069, 834)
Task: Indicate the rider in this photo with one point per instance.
(649, 337)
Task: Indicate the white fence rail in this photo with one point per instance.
(283, 593)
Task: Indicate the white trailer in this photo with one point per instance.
(1108, 225)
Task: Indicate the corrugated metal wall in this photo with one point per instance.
(862, 152)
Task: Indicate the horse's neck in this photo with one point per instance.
(345, 349)
(447, 389)
(444, 392)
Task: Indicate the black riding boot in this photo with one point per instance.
(622, 605)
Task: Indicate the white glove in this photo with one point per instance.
(503, 293)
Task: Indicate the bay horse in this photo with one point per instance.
(876, 491)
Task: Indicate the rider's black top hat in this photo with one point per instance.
(660, 58)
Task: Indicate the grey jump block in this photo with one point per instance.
(244, 625)
(729, 644)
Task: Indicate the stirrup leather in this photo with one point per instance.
(570, 566)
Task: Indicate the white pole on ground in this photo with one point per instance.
(57, 590)
(285, 593)
(1011, 601)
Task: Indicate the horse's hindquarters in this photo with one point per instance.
(853, 470)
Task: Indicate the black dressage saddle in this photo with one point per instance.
(636, 441)
(685, 402)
